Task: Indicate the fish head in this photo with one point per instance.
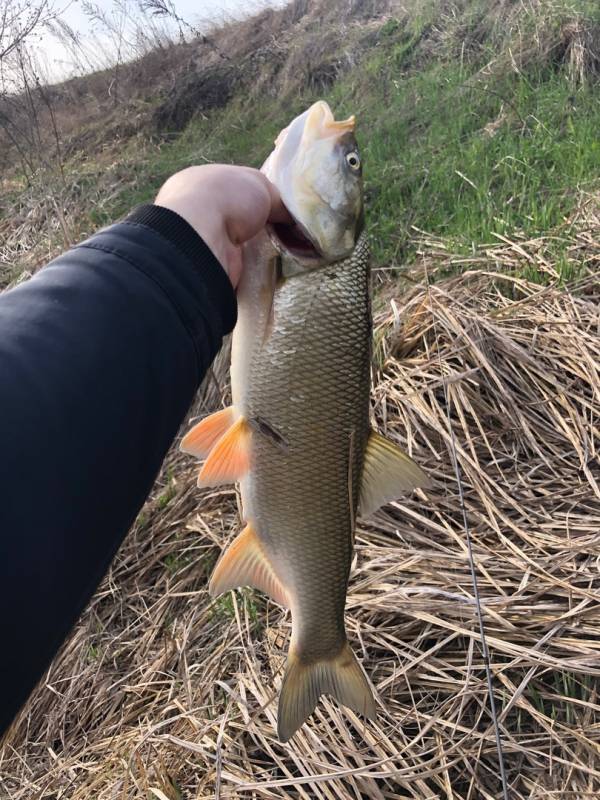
(317, 168)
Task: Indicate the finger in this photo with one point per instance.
(278, 212)
(256, 202)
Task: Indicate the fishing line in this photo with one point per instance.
(485, 654)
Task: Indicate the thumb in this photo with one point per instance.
(278, 212)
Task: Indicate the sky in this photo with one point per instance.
(58, 63)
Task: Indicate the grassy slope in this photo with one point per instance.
(462, 144)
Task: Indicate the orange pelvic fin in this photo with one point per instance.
(229, 459)
(245, 563)
(303, 684)
(388, 473)
(202, 437)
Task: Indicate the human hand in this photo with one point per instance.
(226, 206)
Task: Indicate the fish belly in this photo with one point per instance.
(255, 305)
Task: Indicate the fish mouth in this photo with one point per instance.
(294, 240)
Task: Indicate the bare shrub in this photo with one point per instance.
(19, 21)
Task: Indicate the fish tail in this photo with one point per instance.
(303, 684)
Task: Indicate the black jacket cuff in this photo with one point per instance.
(181, 234)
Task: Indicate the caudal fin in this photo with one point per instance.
(303, 684)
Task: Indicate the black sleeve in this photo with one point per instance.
(100, 356)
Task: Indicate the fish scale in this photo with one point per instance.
(310, 384)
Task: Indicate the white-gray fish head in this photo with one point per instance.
(317, 168)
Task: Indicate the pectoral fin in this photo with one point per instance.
(202, 437)
(388, 473)
(229, 459)
(245, 563)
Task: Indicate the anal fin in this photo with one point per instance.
(229, 459)
(245, 563)
(200, 440)
(388, 473)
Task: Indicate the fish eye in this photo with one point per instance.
(353, 160)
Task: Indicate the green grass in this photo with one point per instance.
(457, 181)
(449, 146)
(430, 161)
(223, 605)
(567, 690)
(169, 492)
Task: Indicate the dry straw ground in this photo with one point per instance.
(163, 693)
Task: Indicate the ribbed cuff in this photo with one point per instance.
(181, 234)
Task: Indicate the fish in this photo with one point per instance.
(297, 436)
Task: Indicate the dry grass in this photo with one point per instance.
(163, 693)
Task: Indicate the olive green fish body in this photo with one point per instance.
(307, 402)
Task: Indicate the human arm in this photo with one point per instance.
(100, 356)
